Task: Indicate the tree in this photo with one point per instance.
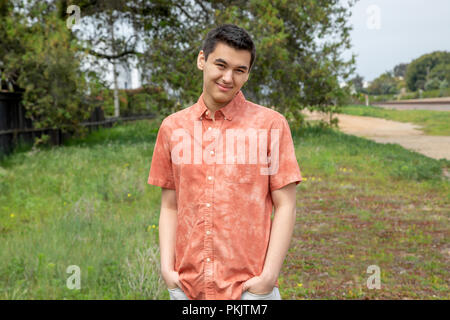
(420, 70)
(40, 58)
(298, 45)
(384, 84)
(440, 72)
(400, 70)
(358, 84)
(102, 34)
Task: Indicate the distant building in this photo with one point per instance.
(127, 76)
(124, 80)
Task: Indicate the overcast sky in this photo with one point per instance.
(388, 32)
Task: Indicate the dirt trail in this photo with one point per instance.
(407, 135)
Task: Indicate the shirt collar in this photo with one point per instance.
(229, 110)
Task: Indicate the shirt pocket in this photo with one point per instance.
(240, 173)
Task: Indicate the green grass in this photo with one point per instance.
(88, 204)
(435, 123)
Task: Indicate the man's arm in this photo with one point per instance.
(167, 236)
(280, 237)
(284, 200)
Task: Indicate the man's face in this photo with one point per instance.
(225, 72)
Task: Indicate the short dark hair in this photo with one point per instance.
(231, 35)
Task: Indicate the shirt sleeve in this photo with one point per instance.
(161, 173)
(284, 168)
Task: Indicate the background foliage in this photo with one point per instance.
(40, 58)
(297, 65)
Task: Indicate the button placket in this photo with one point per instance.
(208, 236)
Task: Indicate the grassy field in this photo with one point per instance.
(436, 123)
(88, 204)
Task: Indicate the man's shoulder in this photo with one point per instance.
(265, 112)
(175, 118)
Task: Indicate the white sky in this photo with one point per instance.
(407, 30)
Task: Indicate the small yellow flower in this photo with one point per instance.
(153, 226)
(126, 164)
(351, 256)
(320, 179)
(129, 195)
(344, 169)
(299, 285)
(313, 178)
(12, 215)
(65, 203)
(305, 178)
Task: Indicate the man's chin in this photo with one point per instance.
(223, 96)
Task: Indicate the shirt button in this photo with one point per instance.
(208, 205)
(208, 232)
(209, 178)
(209, 128)
(207, 112)
(208, 259)
(212, 152)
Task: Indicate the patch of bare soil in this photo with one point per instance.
(407, 135)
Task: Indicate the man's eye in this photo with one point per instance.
(220, 65)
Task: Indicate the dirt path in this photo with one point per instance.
(407, 135)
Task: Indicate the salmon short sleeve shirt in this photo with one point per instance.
(223, 171)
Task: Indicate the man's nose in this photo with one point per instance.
(228, 76)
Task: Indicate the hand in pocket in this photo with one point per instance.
(171, 279)
(258, 285)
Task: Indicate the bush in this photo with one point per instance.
(432, 84)
(384, 84)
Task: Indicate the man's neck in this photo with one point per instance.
(213, 106)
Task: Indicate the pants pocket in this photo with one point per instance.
(246, 295)
(177, 294)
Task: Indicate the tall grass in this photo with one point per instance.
(85, 204)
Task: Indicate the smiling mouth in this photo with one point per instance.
(223, 86)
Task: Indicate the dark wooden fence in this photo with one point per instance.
(15, 127)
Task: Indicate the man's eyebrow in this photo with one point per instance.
(224, 62)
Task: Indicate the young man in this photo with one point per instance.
(217, 239)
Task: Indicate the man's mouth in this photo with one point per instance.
(223, 88)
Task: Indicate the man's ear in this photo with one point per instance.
(201, 60)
